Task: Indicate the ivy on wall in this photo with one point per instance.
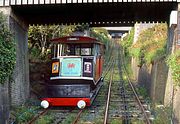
(173, 62)
(7, 50)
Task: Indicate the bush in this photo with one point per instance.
(7, 50)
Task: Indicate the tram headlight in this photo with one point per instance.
(45, 104)
(81, 104)
(55, 67)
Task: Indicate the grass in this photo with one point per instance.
(25, 114)
(70, 119)
(116, 121)
(47, 119)
(162, 115)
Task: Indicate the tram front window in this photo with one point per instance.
(76, 50)
(86, 51)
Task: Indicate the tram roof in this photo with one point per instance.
(76, 39)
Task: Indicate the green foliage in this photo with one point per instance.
(116, 121)
(82, 27)
(101, 34)
(70, 119)
(163, 115)
(24, 114)
(151, 44)
(173, 62)
(39, 38)
(127, 42)
(7, 50)
(142, 91)
(135, 52)
(47, 119)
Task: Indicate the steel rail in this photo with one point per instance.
(77, 117)
(36, 117)
(109, 95)
(108, 68)
(135, 93)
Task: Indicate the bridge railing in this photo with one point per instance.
(36, 2)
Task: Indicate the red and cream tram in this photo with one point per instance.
(77, 63)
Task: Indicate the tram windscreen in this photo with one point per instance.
(72, 50)
(77, 50)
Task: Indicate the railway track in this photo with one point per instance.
(118, 105)
(59, 114)
(117, 101)
(146, 118)
(108, 66)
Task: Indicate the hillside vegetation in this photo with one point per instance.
(151, 44)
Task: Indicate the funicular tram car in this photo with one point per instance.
(76, 71)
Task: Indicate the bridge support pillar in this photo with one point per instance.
(16, 91)
(177, 45)
(176, 89)
(172, 92)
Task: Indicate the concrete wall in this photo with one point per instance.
(4, 103)
(153, 78)
(20, 86)
(159, 75)
(169, 83)
(16, 91)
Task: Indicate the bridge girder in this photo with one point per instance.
(96, 14)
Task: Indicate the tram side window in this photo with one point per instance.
(97, 50)
(56, 50)
(65, 50)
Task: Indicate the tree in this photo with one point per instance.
(39, 36)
